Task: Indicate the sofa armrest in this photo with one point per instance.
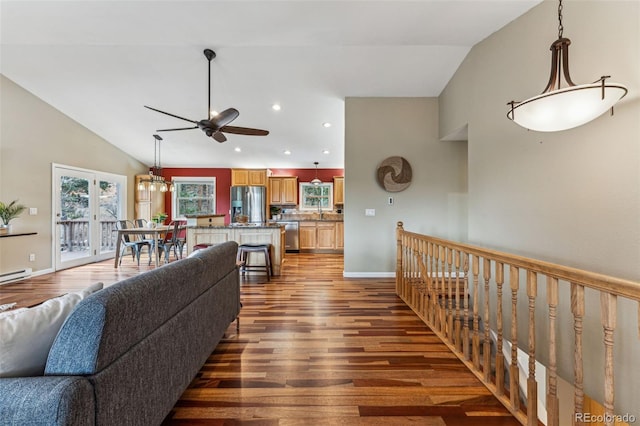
(50, 400)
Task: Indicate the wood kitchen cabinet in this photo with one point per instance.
(326, 235)
(339, 235)
(338, 190)
(283, 190)
(307, 235)
(321, 236)
(147, 203)
(249, 177)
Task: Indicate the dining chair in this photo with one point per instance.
(135, 244)
(169, 241)
(142, 223)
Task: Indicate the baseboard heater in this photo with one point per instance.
(15, 275)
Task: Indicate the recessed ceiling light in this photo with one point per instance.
(326, 151)
(237, 149)
(286, 152)
(326, 124)
(276, 107)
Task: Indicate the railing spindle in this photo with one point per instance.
(450, 333)
(608, 317)
(457, 328)
(514, 372)
(577, 307)
(486, 350)
(532, 385)
(499, 354)
(475, 344)
(465, 325)
(552, 382)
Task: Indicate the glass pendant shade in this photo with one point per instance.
(566, 108)
(563, 104)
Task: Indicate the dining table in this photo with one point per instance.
(156, 233)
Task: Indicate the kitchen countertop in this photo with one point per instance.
(310, 217)
(247, 226)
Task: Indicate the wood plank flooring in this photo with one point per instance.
(316, 348)
(313, 348)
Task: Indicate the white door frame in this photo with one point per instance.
(94, 177)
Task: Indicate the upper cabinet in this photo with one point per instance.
(248, 177)
(338, 190)
(283, 190)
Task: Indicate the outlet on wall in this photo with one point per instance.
(32, 257)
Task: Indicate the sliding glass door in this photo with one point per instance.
(87, 205)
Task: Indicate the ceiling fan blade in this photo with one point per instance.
(225, 117)
(219, 137)
(172, 115)
(244, 131)
(179, 128)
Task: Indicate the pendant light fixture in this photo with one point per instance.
(565, 107)
(155, 181)
(315, 180)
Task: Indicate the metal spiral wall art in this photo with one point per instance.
(394, 174)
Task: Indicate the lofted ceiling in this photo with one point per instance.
(99, 62)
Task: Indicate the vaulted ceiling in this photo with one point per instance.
(99, 62)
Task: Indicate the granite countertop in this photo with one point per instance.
(306, 217)
(243, 226)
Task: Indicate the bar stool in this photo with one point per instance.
(245, 249)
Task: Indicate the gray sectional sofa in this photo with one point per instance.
(126, 353)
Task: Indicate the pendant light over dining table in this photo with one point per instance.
(155, 180)
(562, 107)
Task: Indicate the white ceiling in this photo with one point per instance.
(99, 62)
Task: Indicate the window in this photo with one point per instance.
(316, 197)
(193, 196)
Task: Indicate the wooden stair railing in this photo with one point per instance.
(439, 279)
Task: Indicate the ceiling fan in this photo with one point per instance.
(214, 125)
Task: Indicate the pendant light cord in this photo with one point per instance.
(560, 27)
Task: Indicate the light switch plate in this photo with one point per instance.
(33, 211)
(369, 212)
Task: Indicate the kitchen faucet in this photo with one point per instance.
(319, 210)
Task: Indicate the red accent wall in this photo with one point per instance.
(223, 182)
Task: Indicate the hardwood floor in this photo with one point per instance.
(314, 348)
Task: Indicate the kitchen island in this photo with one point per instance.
(242, 234)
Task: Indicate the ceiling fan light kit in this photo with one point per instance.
(216, 124)
(155, 181)
(561, 107)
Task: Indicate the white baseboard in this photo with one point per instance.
(43, 272)
(369, 274)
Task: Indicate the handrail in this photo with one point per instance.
(457, 290)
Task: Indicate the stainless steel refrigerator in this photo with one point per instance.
(250, 201)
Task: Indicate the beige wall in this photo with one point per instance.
(571, 197)
(377, 128)
(33, 135)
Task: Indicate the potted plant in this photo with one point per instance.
(275, 212)
(159, 218)
(8, 212)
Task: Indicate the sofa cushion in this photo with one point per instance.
(107, 325)
(26, 334)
